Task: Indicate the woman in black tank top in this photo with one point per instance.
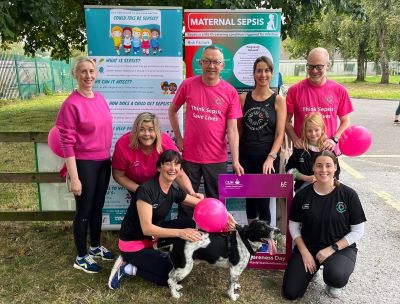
(261, 132)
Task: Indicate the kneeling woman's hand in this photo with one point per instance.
(190, 234)
(323, 254)
(231, 224)
(308, 260)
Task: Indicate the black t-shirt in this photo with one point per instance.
(151, 193)
(325, 219)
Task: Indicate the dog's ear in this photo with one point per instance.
(238, 227)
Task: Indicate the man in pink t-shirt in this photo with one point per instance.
(212, 108)
(318, 94)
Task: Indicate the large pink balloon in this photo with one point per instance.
(53, 140)
(355, 140)
(211, 215)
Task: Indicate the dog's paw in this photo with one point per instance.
(175, 294)
(233, 296)
(236, 286)
(178, 287)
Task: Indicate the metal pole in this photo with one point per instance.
(52, 76)
(17, 74)
(37, 78)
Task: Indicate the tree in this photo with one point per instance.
(59, 25)
(384, 24)
(362, 29)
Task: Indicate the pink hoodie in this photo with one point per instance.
(85, 126)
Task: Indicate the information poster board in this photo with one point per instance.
(233, 190)
(242, 35)
(138, 52)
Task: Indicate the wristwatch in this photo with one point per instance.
(273, 155)
(335, 139)
(335, 247)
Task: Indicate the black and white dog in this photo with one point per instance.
(231, 250)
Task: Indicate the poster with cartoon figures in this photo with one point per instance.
(242, 35)
(138, 52)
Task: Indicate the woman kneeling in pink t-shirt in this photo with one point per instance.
(136, 154)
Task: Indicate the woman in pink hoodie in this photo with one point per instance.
(85, 126)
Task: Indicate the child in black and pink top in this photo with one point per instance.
(313, 136)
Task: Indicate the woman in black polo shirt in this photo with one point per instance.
(325, 221)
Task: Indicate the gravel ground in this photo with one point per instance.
(376, 278)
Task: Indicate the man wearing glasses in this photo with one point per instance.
(316, 93)
(212, 109)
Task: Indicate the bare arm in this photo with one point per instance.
(124, 181)
(173, 119)
(185, 184)
(280, 108)
(145, 212)
(291, 133)
(344, 123)
(233, 139)
(75, 185)
(242, 99)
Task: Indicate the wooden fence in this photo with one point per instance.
(31, 177)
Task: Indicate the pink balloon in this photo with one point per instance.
(211, 215)
(355, 140)
(53, 140)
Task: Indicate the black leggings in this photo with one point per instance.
(94, 176)
(154, 265)
(337, 270)
(257, 207)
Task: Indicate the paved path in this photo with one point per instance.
(376, 177)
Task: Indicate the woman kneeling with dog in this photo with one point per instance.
(145, 220)
(325, 221)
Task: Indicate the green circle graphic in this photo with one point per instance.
(227, 71)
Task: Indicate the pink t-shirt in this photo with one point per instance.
(138, 166)
(207, 111)
(330, 99)
(85, 126)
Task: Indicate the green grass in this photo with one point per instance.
(36, 267)
(371, 89)
(36, 114)
(36, 258)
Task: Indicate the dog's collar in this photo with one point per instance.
(245, 240)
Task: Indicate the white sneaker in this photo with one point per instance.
(333, 292)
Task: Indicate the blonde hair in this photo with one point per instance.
(137, 124)
(116, 28)
(316, 119)
(145, 31)
(78, 61)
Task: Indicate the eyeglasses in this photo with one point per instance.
(208, 62)
(318, 67)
